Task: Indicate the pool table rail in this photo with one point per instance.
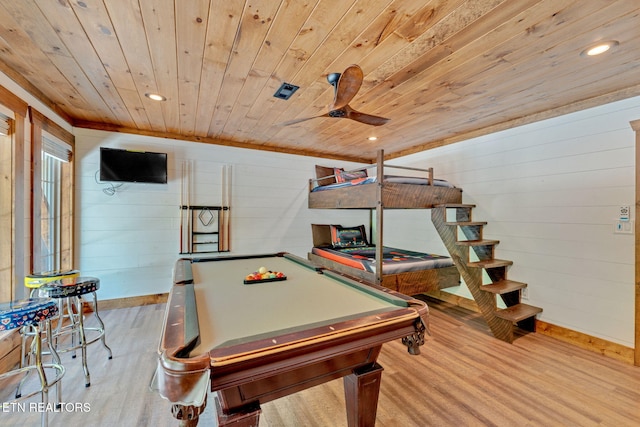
(180, 379)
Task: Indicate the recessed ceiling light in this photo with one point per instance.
(599, 48)
(372, 138)
(155, 96)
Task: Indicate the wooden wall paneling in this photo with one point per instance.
(67, 213)
(49, 126)
(21, 253)
(36, 197)
(16, 241)
(12, 102)
(6, 217)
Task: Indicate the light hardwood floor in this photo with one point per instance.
(464, 377)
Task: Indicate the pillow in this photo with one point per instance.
(342, 176)
(322, 171)
(348, 237)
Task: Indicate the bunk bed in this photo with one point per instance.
(336, 189)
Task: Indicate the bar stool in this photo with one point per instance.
(33, 283)
(35, 280)
(33, 313)
(69, 291)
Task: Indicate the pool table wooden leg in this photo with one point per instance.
(361, 390)
(187, 415)
(247, 416)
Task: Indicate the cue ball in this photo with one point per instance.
(262, 270)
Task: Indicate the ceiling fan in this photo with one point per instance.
(346, 86)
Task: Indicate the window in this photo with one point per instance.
(54, 160)
(52, 225)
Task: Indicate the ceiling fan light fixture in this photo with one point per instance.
(286, 90)
(599, 48)
(155, 97)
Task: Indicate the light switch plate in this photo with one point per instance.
(623, 227)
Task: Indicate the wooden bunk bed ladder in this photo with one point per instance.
(472, 254)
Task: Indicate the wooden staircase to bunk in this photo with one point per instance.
(473, 255)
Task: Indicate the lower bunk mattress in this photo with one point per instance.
(394, 260)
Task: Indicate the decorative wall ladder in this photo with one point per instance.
(501, 321)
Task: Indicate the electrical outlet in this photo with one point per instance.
(524, 293)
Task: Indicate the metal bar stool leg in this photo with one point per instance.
(43, 377)
(101, 328)
(55, 361)
(74, 324)
(24, 357)
(82, 341)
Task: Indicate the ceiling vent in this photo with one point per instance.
(285, 91)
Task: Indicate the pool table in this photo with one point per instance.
(252, 343)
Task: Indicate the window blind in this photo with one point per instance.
(5, 125)
(56, 148)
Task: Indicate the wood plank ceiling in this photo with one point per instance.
(441, 70)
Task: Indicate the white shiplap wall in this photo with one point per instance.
(550, 192)
(130, 240)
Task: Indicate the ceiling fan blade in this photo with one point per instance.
(364, 118)
(347, 87)
(304, 119)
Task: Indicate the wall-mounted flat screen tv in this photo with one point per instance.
(132, 166)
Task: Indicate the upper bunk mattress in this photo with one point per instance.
(394, 260)
(387, 178)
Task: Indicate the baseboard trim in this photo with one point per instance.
(111, 304)
(587, 342)
(579, 339)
